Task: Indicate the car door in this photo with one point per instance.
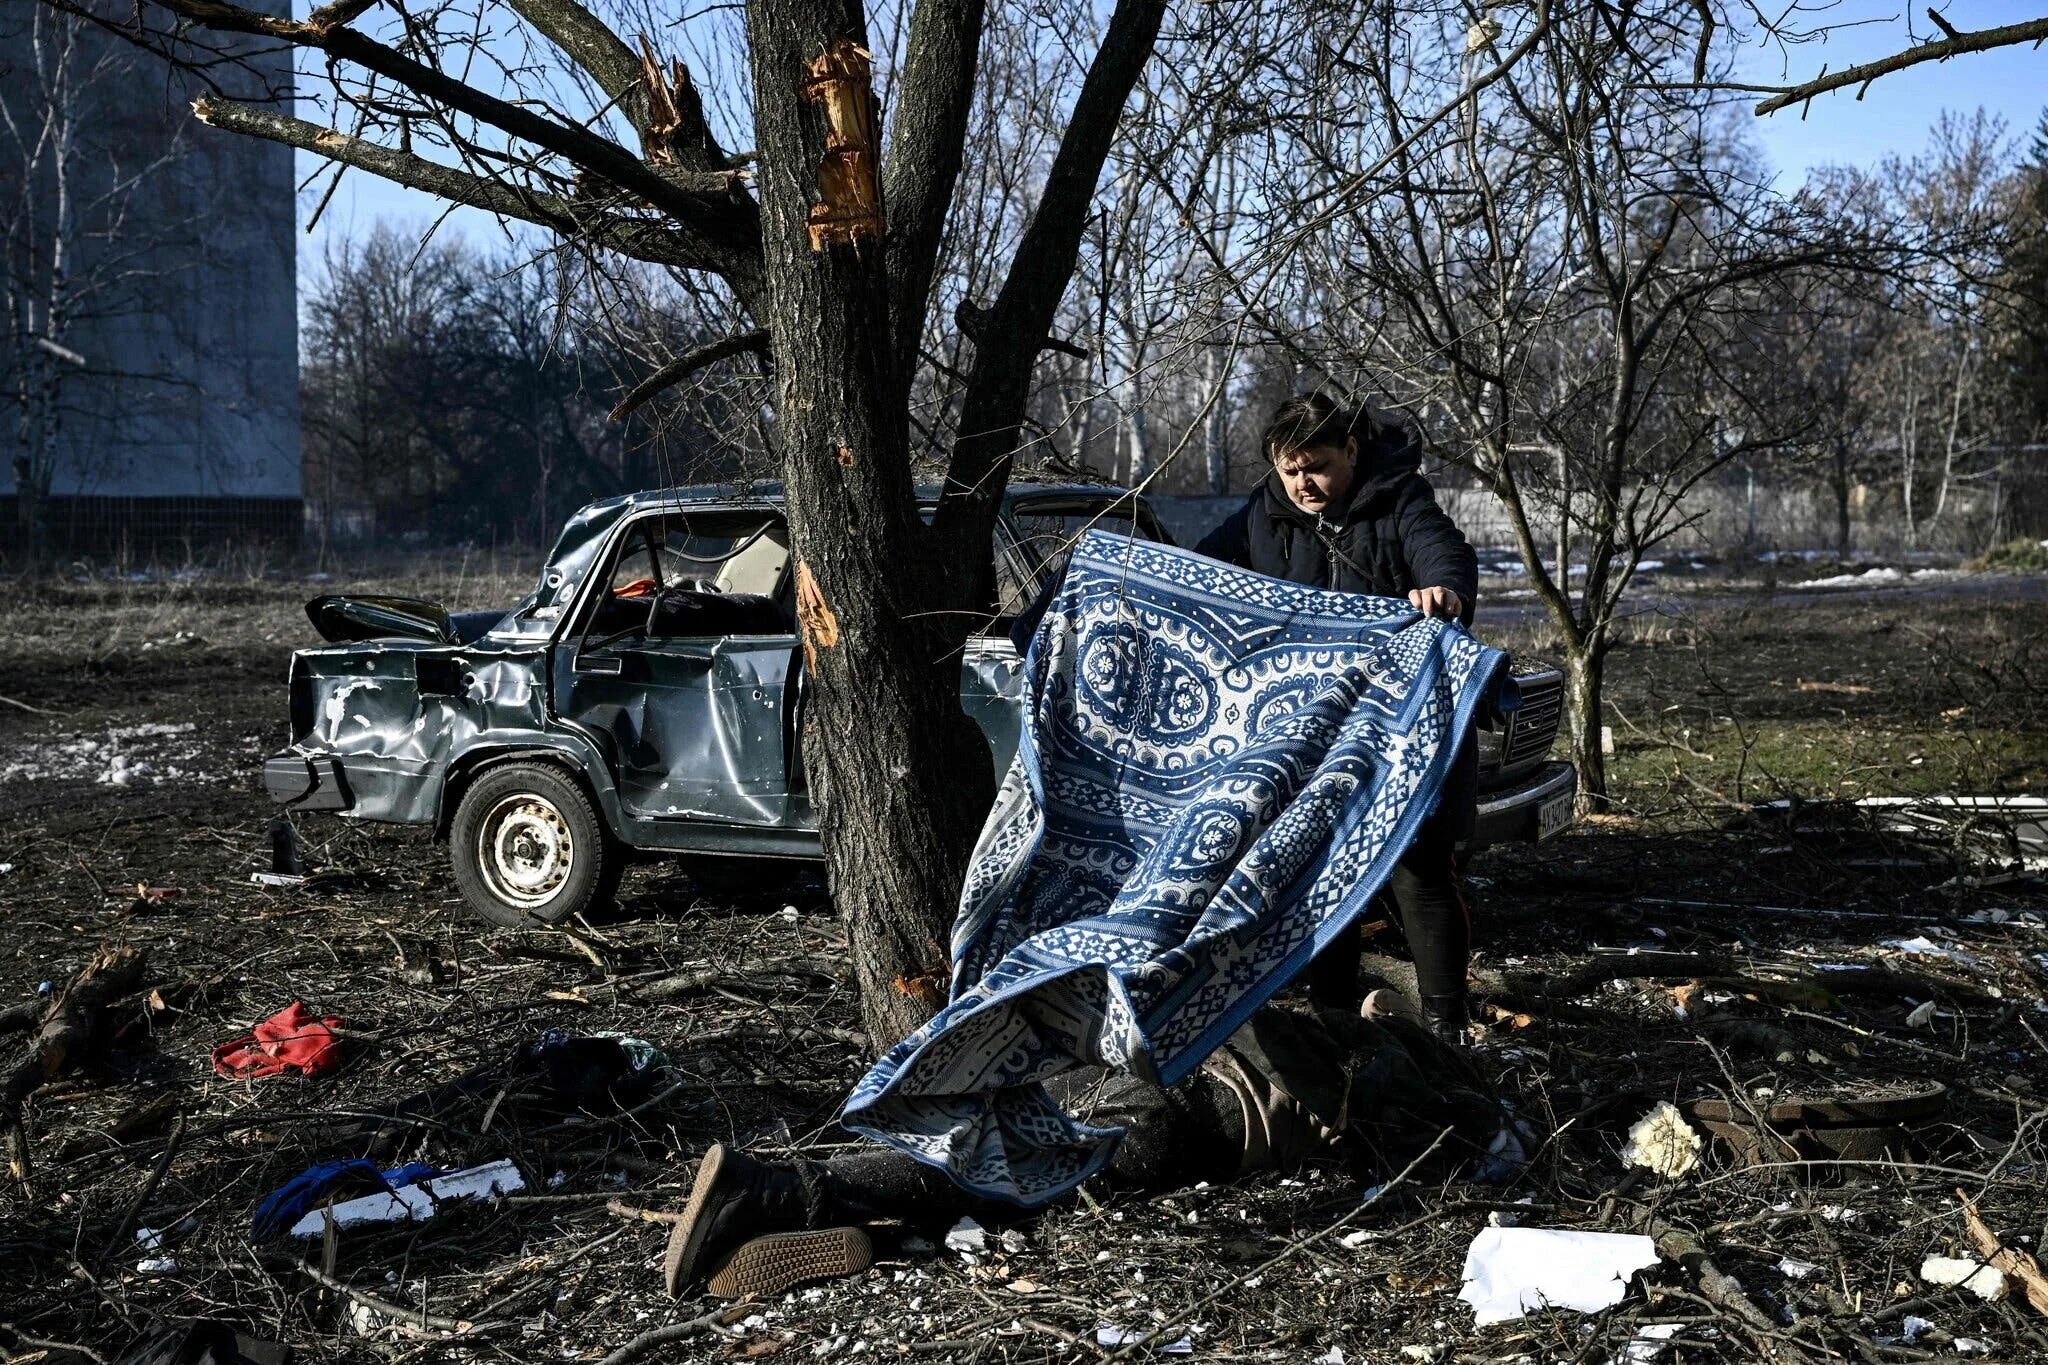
(693, 712)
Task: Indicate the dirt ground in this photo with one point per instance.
(1688, 946)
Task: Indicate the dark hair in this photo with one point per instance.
(1308, 421)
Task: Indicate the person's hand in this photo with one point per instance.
(1438, 602)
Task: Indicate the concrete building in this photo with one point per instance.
(160, 400)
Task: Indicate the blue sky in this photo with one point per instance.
(1896, 113)
(1893, 117)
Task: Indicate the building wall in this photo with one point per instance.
(189, 404)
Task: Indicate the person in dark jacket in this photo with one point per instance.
(1346, 508)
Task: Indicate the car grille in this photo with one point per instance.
(1533, 725)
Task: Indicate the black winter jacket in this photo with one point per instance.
(1389, 538)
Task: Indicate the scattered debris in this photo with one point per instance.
(1855, 1123)
(967, 1235)
(1513, 1271)
(596, 1071)
(1663, 1142)
(1651, 1341)
(290, 1040)
(1985, 1281)
(318, 1184)
(2013, 1261)
(415, 1202)
(1107, 1334)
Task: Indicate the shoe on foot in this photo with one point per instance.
(1384, 1004)
(1447, 1017)
(782, 1260)
(733, 1200)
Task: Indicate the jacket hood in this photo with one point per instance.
(1384, 460)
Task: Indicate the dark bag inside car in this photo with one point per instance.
(680, 613)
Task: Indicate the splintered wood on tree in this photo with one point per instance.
(820, 626)
(851, 203)
(662, 118)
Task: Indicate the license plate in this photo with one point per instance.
(1554, 815)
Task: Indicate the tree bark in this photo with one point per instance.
(901, 776)
(1583, 679)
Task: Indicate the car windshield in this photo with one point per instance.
(1049, 526)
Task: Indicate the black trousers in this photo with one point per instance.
(1172, 1139)
(1431, 908)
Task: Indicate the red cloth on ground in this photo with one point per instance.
(290, 1040)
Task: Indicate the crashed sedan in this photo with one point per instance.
(647, 698)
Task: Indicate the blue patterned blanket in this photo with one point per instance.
(1217, 772)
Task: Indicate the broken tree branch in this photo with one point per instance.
(726, 229)
(69, 1029)
(1956, 44)
(687, 364)
(640, 238)
(2011, 1260)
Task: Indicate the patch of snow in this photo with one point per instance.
(124, 756)
(1869, 578)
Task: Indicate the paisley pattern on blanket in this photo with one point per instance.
(1217, 772)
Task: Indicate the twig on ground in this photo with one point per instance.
(1159, 1333)
(678, 1331)
(412, 1317)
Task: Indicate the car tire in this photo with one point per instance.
(529, 848)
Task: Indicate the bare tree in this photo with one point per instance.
(1577, 283)
(1805, 23)
(74, 250)
(826, 237)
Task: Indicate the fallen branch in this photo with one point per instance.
(689, 983)
(66, 1037)
(410, 1317)
(1718, 1287)
(677, 1331)
(149, 1188)
(2011, 1260)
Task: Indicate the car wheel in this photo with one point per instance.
(529, 848)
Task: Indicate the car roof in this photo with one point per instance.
(576, 548)
(771, 491)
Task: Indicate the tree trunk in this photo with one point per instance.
(1216, 435)
(902, 778)
(1584, 675)
(1839, 480)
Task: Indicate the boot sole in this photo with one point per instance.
(686, 1237)
(768, 1265)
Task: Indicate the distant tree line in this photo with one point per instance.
(455, 393)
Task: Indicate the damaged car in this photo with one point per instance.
(647, 699)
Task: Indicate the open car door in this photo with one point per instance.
(681, 662)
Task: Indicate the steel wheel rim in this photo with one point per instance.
(525, 850)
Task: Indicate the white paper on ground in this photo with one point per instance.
(415, 1202)
(1650, 1343)
(966, 1235)
(1985, 1281)
(1109, 1334)
(1512, 1271)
